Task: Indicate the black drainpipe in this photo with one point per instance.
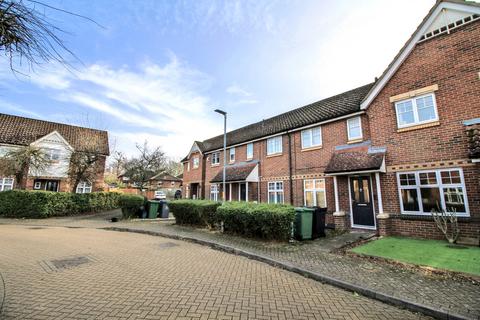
(290, 166)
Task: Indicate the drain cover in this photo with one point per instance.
(65, 263)
(167, 245)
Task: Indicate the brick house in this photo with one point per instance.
(58, 141)
(380, 156)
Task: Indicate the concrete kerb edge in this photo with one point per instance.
(395, 301)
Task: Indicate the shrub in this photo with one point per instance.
(194, 212)
(44, 204)
(267, 221)
(130, 204)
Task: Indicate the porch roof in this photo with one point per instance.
(356, 160)
(238, 172)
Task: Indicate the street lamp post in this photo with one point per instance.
(224, 150)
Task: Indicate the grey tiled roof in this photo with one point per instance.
(326, 109)
(23, 131)
(473, 134)
(235, 172)
(358, 160)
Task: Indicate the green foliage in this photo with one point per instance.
(267, 221)
(44, 204)
(130, 204)
(194, 212)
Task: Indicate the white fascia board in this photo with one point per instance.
(411, 45)
(55, 132)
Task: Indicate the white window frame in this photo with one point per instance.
(196, 162)
(188, 166)
(215, 158)
(310, 133)
(4, 184)
(250, 151)
(231, 155)
(415, 111)
(214, 191)
(314, 190)
(350, 138)
(37, 185)
(51, 153)
(440, 185)
(84, 187)
(273, 142)
(275, 191)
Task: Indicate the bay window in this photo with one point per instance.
(274, 145)
(275, 192)
(423, 191)
(415, 111)
(6, 184)
(314, 193)
(311, 137)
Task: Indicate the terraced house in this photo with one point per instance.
(58, 142)
(380, 156)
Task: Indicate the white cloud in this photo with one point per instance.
(166, 104)
(16, 108)
(237, 90)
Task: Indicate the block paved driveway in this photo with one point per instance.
(72, 273)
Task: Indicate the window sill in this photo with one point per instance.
(274, 155)
(312, 148)
(355, 141)
(427, 217)
(419, 126)
(215, 165)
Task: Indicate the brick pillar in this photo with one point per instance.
(384, 224)
(341, 221)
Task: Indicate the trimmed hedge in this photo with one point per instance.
(267, 221)
(44, 204)
(194, 212)
(130, 204)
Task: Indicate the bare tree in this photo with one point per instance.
(174, 168)
(447, 222)
(19, 161)
(148, 163)
(84, 165)
(26, 33)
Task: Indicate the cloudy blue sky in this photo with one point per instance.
(157, 69)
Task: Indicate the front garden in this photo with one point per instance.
(430, 253)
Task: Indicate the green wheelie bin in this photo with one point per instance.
(153, 209)
(303, 223)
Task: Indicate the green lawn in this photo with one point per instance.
(430, 253)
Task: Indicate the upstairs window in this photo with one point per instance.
(415, 111)
(6, 184)
(52, 154)
(232, 155)
(215, 158)
(196, 162)
(354, 129)
(84, 187)
(274, 145)
(188, 166)
(249, 151)
(311, 138)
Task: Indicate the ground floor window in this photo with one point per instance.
(214, 192)
(424, 191)
(84, 187)
(275, 192)
(6, 184)
(314, 193)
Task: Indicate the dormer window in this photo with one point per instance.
(416, 111)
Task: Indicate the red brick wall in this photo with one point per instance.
(452, 63)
